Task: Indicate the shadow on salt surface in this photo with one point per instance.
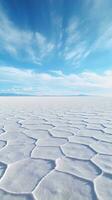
(2, 169)
(103, 186)
(2, 144)
(9, 196)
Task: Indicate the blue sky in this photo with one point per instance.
(53, 47)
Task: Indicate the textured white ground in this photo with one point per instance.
(55, 148)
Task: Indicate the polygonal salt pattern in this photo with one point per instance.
(55, 148)
(61, 133)
(26, 175)
(51, 142)
(104, 162)
(51, 153)
(58, 186)
(10, 196)
(83, 169)
(102, 147)
(15, 152)
(78, 151)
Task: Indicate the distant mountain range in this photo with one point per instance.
(14, 95)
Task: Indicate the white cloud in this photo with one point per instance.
(55, 82)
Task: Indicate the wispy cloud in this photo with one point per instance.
(76, 47)
(104, 41)
(90, 34)
(24, 45)
(56, 82)
(99, 15)
(66, 41)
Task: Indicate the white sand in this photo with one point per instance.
(55, 148)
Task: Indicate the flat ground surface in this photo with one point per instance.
(55, 148)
